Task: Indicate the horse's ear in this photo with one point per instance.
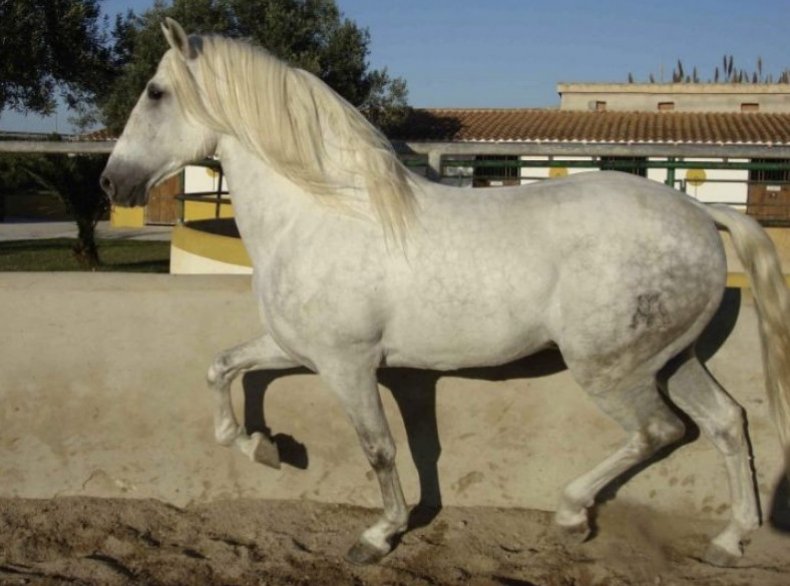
(177, 38)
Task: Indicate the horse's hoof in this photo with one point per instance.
(264, 451)
(575, 534)
(364, 554)
(718, 556)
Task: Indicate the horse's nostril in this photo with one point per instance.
(107, 185)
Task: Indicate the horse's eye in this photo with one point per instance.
(155, 93)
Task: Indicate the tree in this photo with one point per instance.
(311, 34)
(74, 179)
(49, 45)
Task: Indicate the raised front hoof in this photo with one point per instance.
(260, 448)
(364, 554)
(572, 535)
(720, 557)
(265, 451)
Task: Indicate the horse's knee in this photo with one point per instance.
(380, 453)
(212, 375)
(218, 370)
(382, 458)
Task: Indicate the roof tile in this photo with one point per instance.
(534, 125)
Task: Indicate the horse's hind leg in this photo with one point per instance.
(258, 353)
(692, 388)
(638, 407)
(357, 389)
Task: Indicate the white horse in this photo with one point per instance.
(360, 264)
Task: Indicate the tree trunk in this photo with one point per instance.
(85, 250)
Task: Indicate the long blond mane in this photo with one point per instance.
(282, 114)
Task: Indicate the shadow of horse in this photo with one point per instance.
(415, 393)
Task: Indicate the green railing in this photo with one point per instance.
(671, 165)
(466, 170)
(513, 170)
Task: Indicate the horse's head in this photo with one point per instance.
(160, 137)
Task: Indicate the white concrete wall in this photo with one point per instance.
(721, 185)
(532, 174)
(102, 392)
(687, 97)
(198, 178)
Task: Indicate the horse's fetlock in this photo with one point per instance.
(575, 501)
(226, 431)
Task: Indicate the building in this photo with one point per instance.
(675, 97)
(716, 153)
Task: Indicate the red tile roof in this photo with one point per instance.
(528, 125)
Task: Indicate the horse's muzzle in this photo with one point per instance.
(121, 193)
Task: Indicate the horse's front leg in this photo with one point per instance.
(257, 354)
(358, 392)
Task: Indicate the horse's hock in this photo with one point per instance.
(103, 394)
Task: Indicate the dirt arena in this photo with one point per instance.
(123, 541)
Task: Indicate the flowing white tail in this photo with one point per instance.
(758, 256)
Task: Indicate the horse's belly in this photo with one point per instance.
(455, 355)
(468, 300)
(441, 341)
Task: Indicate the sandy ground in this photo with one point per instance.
(114, 541)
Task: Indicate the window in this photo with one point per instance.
(600, 106)
(750, 107)
(666, 106)
(633, 165)
(495, 173)
(770, 175)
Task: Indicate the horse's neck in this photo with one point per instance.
(263, 201)
(266, 204)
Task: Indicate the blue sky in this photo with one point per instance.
(512, 53)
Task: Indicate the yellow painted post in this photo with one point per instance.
(127, 217)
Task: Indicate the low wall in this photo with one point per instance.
(102, 392)
(208, 247)
(213, 246)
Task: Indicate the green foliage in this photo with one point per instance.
(75, 180)
(49, 45)
(311, 34)
(386, 105)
